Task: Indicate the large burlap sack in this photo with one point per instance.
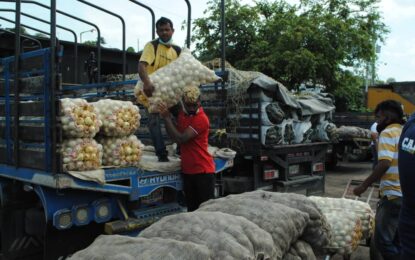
(170, 80)
(119, 118)
(131, 248)
(78, 118)
(227, 236)
(283, 223)
(300, 250)
(317, 233)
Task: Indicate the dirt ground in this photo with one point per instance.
(336, 182)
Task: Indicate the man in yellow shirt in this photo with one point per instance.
(390, 120)
(157, 54)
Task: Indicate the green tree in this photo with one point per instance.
(41, 35)
(130, 49)
(102, 41)
(323, 41)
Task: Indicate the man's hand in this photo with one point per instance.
(148, 88)
(163, 110)
(359, 190)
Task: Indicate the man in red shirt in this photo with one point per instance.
(191, 133)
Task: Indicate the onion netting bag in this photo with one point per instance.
(359, 208)
(227, 236)
(125, 248)
(317, 233)
(119, 118)
(170, 80)
(78, 118)
(283, 223)
(121, 151)
(81, 154)
(346, 232)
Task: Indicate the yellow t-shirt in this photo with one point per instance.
(164, 56)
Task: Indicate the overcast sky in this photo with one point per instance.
(397, 56)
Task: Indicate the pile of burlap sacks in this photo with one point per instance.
(252, 225)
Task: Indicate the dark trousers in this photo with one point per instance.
(407, 231)
(386, 228)
(198, 188)
(154, 127)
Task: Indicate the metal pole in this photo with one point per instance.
(64, 28)
(223, 54)
(24, 36)
(189, 22)
(124, 57)
(25, 25)
(153, 18)
(16, 114)
(78, 19)
(53, 86)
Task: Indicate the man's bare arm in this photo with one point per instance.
(148, 86)
(378, 172)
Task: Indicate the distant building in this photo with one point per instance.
(111, 59)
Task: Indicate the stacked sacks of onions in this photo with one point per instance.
(120, 121)
(119, 118)
(170, 81)
(78, 118)
(121, 151)
(81, 154)
(80, 124)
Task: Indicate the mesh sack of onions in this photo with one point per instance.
(81, 154)
(170, 80)
(346, 222)
(119, 118)
(121, 151)
(78, 118)
(346, 232)
(359, 208)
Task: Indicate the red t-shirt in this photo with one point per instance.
(194, 154)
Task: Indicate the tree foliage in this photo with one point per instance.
(321, 41)
(102, 41)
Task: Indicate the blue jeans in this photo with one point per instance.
(154, 127)
(386, 227)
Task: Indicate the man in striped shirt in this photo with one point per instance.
(389, 115)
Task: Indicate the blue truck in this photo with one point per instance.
(45, 213)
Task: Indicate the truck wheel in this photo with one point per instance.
(373, 251)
